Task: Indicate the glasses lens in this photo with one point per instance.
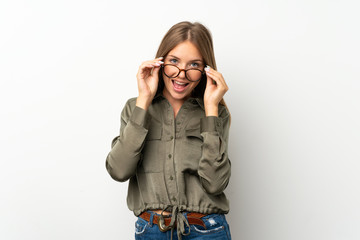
(193, 75)
(171, 71)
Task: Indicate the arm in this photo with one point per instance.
(126, 148)
(215, 167)
(125, 153)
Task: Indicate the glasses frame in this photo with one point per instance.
(180, 70)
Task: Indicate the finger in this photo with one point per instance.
(212, 76)
(156, 63)
(219, 83)
(218, 77)
(149, 65)
(144, 69)
(156, 60)
(156, 71)
(209, 81)
(214, 73)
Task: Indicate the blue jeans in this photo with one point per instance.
(217, 228)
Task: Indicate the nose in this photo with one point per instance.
(182, 74)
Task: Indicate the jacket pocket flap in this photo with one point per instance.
(154, 132)
(193, 133)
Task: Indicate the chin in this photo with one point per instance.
(175, 95)
(180, 96)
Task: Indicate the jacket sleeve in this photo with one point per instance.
(214, 166)
(125, 154)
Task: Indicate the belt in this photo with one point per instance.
(192, 217)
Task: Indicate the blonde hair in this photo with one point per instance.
(200, 36)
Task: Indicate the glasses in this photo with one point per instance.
(192, 74)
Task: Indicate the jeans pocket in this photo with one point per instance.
(140, 226)
(209, 231)
(214, 223)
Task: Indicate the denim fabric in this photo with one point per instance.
(217, 228)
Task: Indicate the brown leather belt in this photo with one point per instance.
(192, 217)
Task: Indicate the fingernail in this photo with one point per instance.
(207, 68)
(161, 57)
(161, 62)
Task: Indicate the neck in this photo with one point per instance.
(175, 103)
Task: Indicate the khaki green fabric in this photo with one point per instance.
(179, 163)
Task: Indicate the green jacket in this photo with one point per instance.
(181, 162)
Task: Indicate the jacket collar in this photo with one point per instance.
(193, 100)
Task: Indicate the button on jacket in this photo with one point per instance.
(179, 162)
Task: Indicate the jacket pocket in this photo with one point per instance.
(154, 132)
(193, 141)
(153, 147)
(193, 133)
(191, 149)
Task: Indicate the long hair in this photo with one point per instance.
(200, 36)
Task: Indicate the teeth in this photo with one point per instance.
(180, 83)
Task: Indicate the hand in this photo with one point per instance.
(215, 90)
(148, 79)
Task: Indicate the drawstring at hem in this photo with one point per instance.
(178, 218)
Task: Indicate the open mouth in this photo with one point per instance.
(179, 86)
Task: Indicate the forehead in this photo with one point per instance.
(186, 51)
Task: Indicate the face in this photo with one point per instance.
(185, 56)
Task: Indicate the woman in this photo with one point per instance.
(173, 141)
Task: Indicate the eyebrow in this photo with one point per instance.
(194, 60)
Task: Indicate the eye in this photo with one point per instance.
(194, 65)
(173, 60)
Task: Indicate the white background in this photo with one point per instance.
(67, 68)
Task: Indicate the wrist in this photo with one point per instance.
(143, 102)
(211, 110)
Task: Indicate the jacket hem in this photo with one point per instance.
(182, 208)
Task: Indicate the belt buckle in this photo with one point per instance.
(161, 224)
